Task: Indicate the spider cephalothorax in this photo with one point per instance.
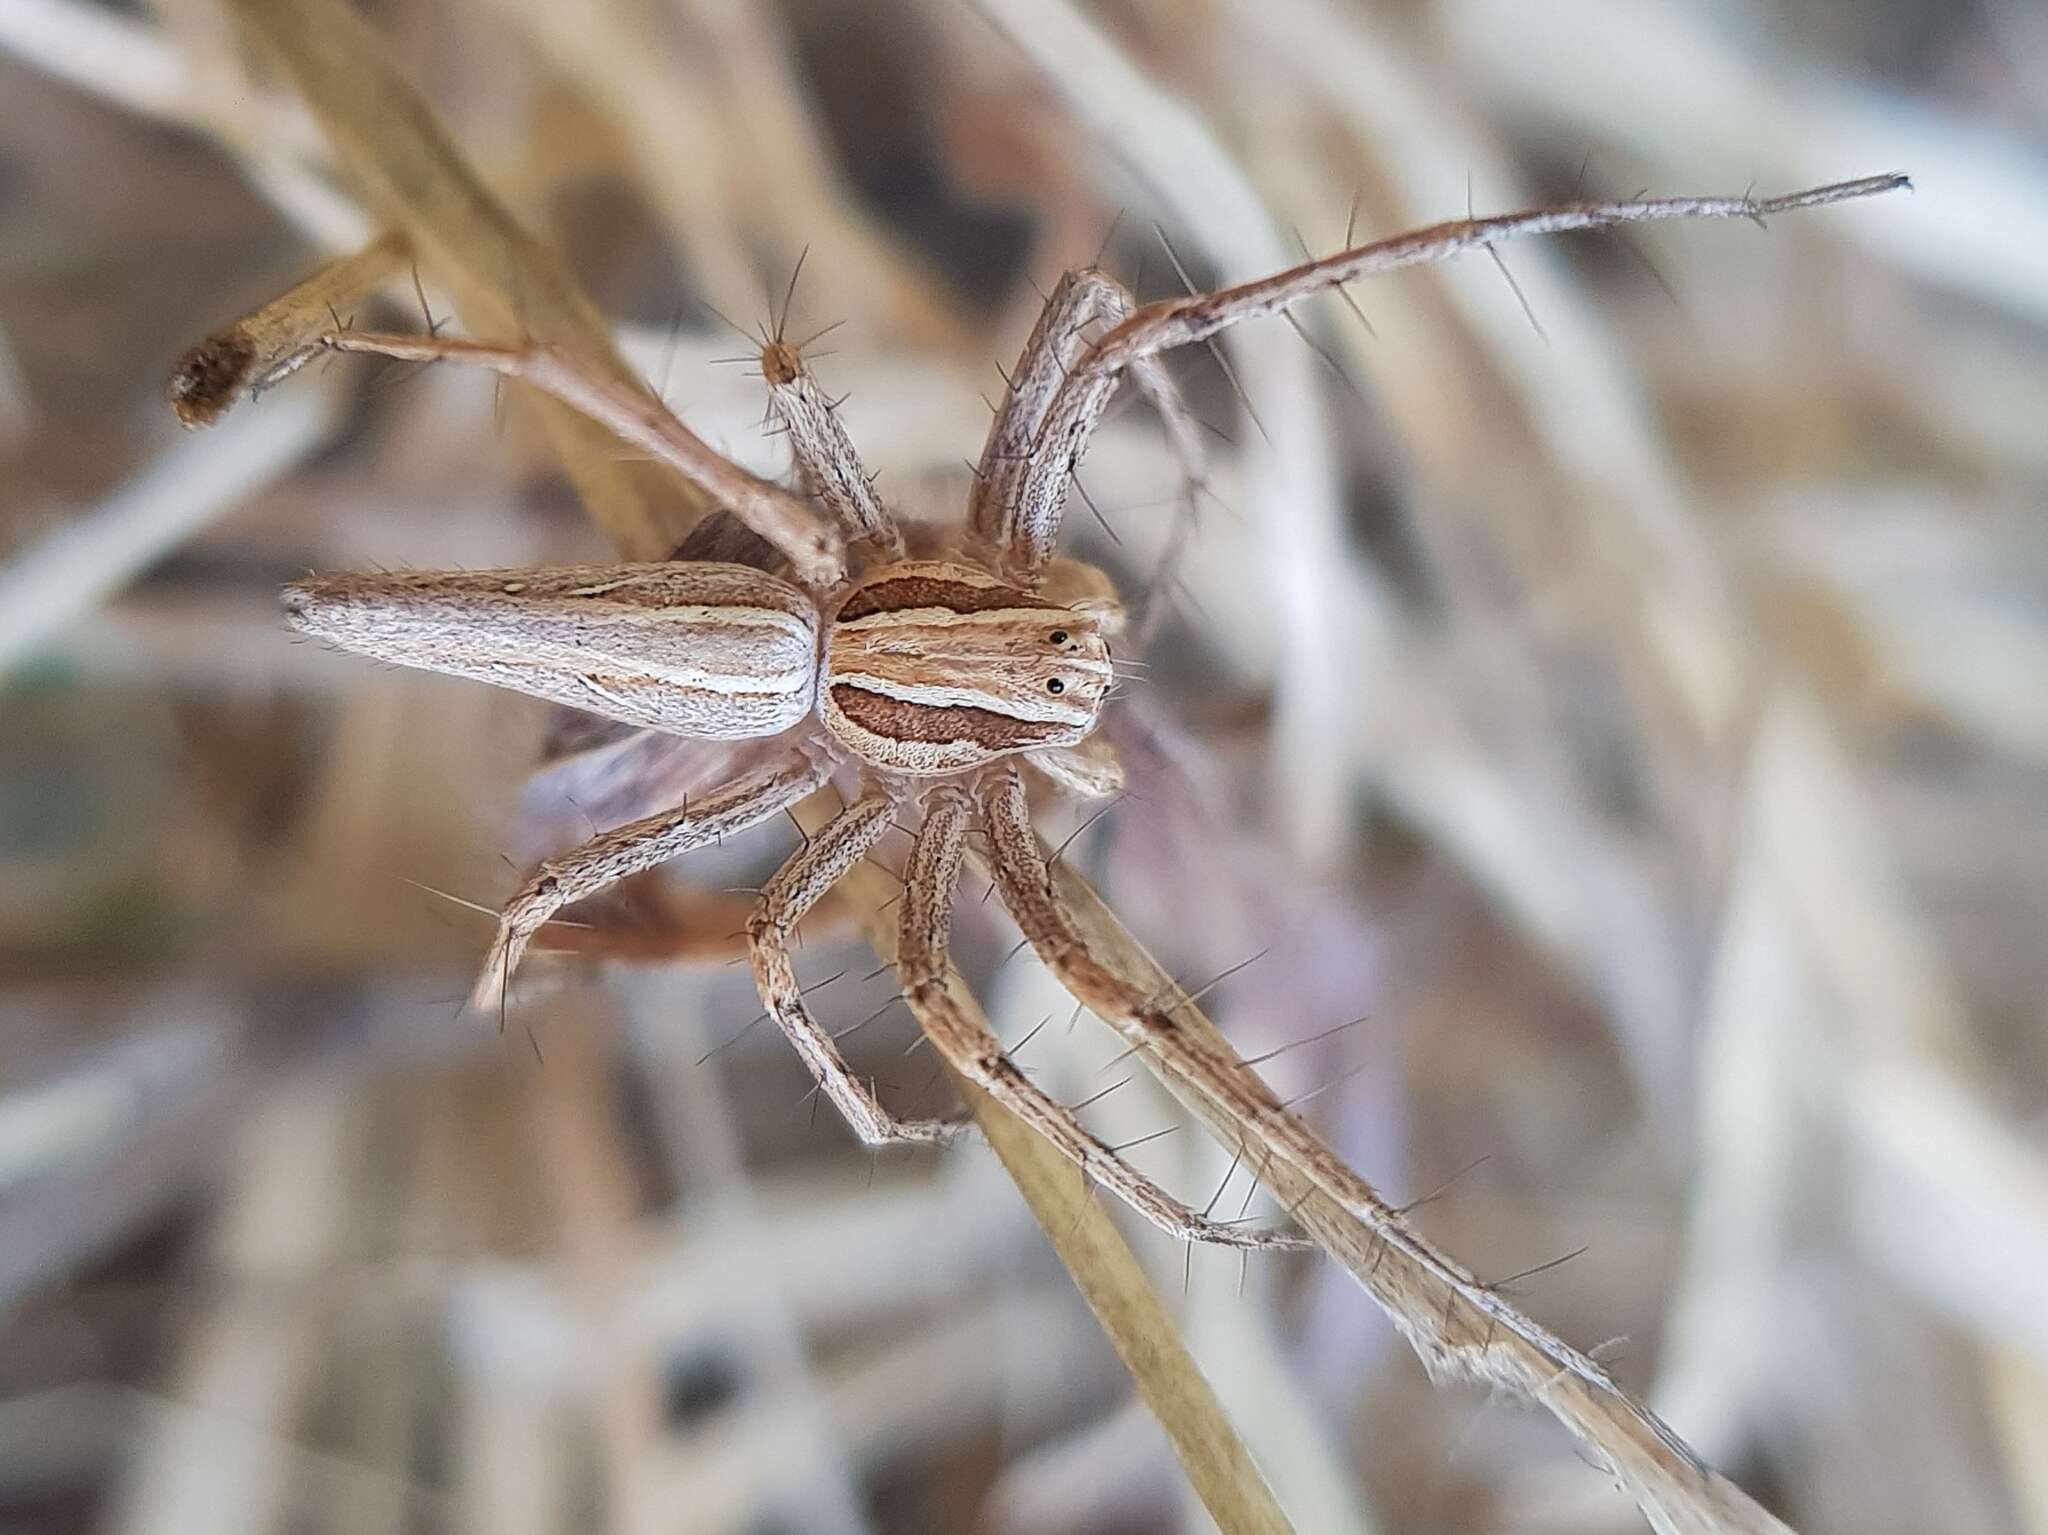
(932, 667)
(934, 678)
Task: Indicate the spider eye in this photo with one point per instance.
(1055, 685)
(1059, 636)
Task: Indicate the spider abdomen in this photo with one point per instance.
(931, 667)
(690, 648)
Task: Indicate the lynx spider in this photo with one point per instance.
(936, 671)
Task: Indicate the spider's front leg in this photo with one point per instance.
(814, 869)
(977, 1054)
(1020, 529)
(626, 850)
(1065, 381)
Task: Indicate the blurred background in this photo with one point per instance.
(1620, 695)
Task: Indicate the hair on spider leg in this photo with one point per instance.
(1244, 1205)
(1500, 1286)
(751, 1024)
(1314, 1039)
(871, 1017)
(1188, 999)
(479, 907)
(789, 294)
(1351, 385)
(1097, 1097)
(1210, 342)
(1015, 949)
(1500, 264)
(426, 310)
(804, 346)
(1060, 852)
(1108, 234)
(1029, 1035)
(1094, 510)
(1230, 1172)
(1522, 298)
(837, 975)
(1445, 1187)
(1132, 1145)
(756, 340)
(1316, 1092)
(1358, 314)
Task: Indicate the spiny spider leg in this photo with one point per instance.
(613, 855)
(796, 887)
(813, 546)
(825, 453)
(1018, 865)
(1034, 501)
(976, 1053)
(1022, 534)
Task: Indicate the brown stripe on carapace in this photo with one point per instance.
(896, 593)
(900, 720)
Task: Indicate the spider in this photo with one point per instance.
(937, 666)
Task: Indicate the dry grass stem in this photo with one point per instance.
(506, 284)
(272, 342)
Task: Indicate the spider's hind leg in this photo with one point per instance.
(975, 1052)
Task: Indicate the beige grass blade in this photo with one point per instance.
(506, 284)
(1218, 1465)
(1462, 1329)
(265, 345)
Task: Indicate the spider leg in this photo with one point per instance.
(613, 855)
(825, 453)
(1022, 531)
(1018, 866)
(811, 871)
(813, 546)
(975, 1052)
(1063, 412)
